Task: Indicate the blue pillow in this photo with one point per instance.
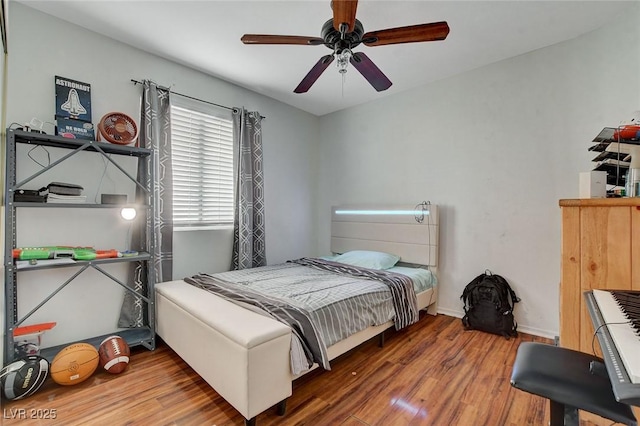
(368, 259)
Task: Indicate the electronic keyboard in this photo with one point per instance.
(615, 315)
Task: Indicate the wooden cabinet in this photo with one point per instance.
(600, 250)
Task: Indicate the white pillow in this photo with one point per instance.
(368, 259)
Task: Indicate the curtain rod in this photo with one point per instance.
(195, 99)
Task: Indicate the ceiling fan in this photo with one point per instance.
(344, 32)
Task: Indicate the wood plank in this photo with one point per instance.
(635, 248)
(412, 233)
(570, 296)
(423, 254)
(605, 257)
(600, 202)
(433, 373)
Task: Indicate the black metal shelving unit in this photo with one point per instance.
(614, 156)
(144, 335)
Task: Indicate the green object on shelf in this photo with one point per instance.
(58, 252)
(33, 253)
(82, 254)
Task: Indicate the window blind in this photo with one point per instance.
(202, 160)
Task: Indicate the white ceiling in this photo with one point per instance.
(205, 35)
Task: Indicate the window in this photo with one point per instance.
(202, 161)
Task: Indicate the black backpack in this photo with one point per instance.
(488, 305)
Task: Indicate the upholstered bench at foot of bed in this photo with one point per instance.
(243, 355)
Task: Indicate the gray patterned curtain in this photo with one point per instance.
(155, 133)
(249, 218)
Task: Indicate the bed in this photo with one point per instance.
(246, 356)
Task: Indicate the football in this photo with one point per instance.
(22, 378)
(114, 354)
(74, 364)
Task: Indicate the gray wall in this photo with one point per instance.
(496, 147)
(40, 50)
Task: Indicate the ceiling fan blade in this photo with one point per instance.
(370, 71)
(411, 34)
(280, 39)
(344, 12)
(313, 74)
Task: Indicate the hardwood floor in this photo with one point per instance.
(433, 373)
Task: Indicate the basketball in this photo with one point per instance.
(74, 364)
(114, 354)
(22, 378)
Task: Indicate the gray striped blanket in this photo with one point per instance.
(323, 302)
(297, 318)
(405, 302)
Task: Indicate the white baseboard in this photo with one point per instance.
(450, 312)
(521, 328)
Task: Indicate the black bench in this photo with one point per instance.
(571, 380)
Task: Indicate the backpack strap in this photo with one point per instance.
(513, 298)
(469, 288)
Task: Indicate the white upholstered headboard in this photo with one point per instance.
(408, 231)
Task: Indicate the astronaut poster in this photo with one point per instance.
(73, 109)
